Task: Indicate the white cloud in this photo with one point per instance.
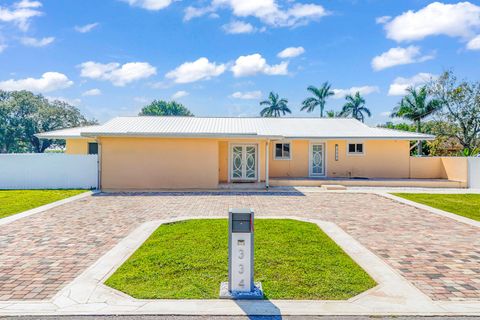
(119, 75)
(237, 27)
(249, 95)
(193, 12)
(398, 56)
(400, 85)
(453, 20)
(153, 5)
(72, 102)
(364, 90)
(28, 4)
(3, 46)
(291, 52)
(255, 63)
(179, 94)
(86, 28)
(50, 81)
(92, 92)
(33, 42)
(383, 19)
(141, 99)
(474, 44)
(266, 11)
(386, 114)
(201, 69)
(20, 13)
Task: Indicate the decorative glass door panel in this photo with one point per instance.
(317, 157)
(244, 162)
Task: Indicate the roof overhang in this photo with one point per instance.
(248, 136)
(178, 135)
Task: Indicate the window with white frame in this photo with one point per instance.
(282, 151)
(355, 148)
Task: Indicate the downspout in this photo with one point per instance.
(99, 164)
(267, 171)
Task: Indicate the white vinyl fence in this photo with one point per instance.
(48, 171)
(474, 173)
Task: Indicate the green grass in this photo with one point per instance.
(467, 205)
(16, 201)
(189, 259)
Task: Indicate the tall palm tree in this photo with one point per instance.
(416, 106)
(319, 98)
(355, 107)
(333, 114)
(276, 106)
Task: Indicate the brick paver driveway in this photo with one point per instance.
(42, 253)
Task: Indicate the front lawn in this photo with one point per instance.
(467, 205)
(16, 201)
(188, 260)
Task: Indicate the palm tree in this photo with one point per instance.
(416, 106)
(355, 107)
(319, 98)
(333, 114)
(276, 106)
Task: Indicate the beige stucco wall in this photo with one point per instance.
(381, 159)
(297, 166)
(223, 161)
(451, 168)
(77, 146)
(154, 163)
(151, 163)
(427, 168)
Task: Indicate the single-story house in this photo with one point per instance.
(148, 153)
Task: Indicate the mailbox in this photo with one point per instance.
(240, 283)
(240, 250)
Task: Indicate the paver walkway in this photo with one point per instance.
(42, 253)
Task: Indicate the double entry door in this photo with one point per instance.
(243, 162)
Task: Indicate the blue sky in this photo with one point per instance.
(221, 57)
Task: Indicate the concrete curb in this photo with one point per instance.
(43, 208)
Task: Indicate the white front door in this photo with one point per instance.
(243, 162)
(317, 159)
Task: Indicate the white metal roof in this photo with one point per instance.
(69, 133)
(288, 128)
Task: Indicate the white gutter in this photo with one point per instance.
(249, 136)
(178, 135)
(99, 164)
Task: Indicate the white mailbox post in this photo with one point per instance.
(240, 283)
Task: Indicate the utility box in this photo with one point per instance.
(240, 283)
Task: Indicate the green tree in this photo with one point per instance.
(416, 106)
(461, 108)
(164, 108)
(24, 114)
(319, 98)
(355, 107)
(275, 106)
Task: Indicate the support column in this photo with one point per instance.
(267, 172)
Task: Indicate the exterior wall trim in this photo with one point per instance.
(284, 142)
(348, 154)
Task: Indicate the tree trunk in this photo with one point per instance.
(420, 144)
